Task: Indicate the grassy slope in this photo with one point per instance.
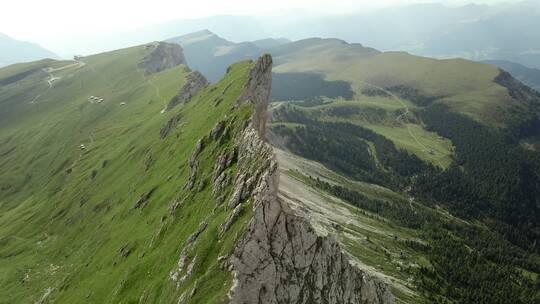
(466, 87)
(65, 213)
(380, 115)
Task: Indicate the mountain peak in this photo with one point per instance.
(205, 32)
(202, 34)
(15, 51)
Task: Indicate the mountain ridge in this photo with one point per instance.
(193, 213)
(529, 76)
(304, 257)
(374, 177)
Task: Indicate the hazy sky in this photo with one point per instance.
(45, 21)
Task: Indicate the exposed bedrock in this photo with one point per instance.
(281, 258)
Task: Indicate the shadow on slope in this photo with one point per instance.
(307, 86)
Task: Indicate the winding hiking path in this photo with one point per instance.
(35, 98)
(91, 136)
(148, 79)
(51, 78)
(401, 119)
(158, 94)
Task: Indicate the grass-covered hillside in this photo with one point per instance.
(95, 205)
(387, 91)
(465, 86)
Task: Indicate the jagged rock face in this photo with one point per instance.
(163, 56)
(258, 89)
(194, 163)
(175, 274)
(171, 124)
(281, 259)
(195, 82)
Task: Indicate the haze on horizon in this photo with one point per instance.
(63, 26)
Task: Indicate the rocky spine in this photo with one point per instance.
(280, 258)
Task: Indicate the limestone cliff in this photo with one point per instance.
(281, 258)
(258, 91)
(195, 82)
(162, 56)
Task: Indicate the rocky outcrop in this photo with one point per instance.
(162, 57)
(195, 82)
(281, 258)
(257, 92)
(194, 163)
(171, 124)
(181, 267)
(143, 200)
(220, 178)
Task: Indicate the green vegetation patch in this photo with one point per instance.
(88, 185)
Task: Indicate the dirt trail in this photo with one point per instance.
(401, 119)
(77, 63)
(411, 200)
(35, 98)
(51, 78)
(156, 88)
(158, 94)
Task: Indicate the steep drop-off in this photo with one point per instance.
(282, 259)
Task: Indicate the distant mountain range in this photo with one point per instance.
(14, 51)
(211, 54)
(477, 32)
